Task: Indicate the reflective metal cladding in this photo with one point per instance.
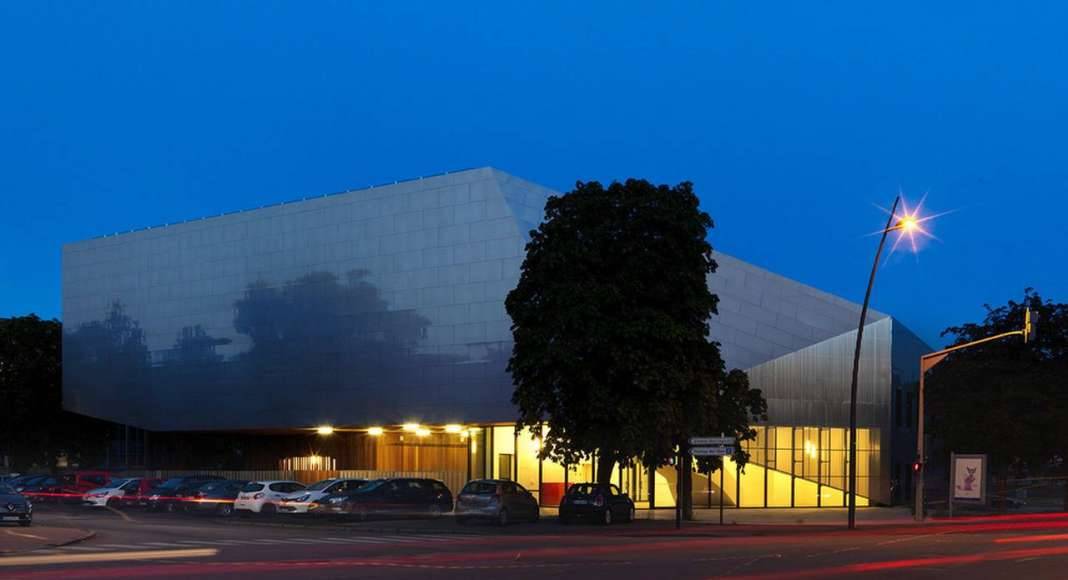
(379, 305)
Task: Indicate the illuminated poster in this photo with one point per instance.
(969, 477)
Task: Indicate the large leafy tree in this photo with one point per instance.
(35, 429)
(611, 321)
(1006, 398)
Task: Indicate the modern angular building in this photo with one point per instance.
(379, 313)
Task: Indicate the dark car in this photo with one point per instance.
(23, 481)
(215, 497)
(596, 502)
(497, 500)
(168, 495)
(41, 488)
(14, 507)
(391, 497)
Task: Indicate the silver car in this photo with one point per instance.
(498, 500)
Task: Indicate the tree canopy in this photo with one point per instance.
(611, 324)
(35, 429)
(1005, 398)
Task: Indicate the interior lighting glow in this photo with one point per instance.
(325, 430)
(411, 427)
(422, 432)
(453, 428)
(374, 431)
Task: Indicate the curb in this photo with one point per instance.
(88, 535)
(353, 528)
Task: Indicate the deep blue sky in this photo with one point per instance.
(792, 120)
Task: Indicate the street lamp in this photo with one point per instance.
(856, 364)
(909, 223)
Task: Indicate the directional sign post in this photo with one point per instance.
(711, 441)
(717, 451)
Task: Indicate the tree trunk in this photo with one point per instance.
(605, 464)
(686, 472)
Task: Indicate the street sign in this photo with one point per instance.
(717, 451)
(705, 441)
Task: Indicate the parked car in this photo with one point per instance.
(399, 496)
(168, 495)
(7, 477)
(498, 500)
(596, 501)
(41, 488)
(264, 496)
(15, 507)
(302, 502)
(216, 497)
(23, 481)
(116, 493)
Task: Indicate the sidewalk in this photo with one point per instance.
(14, 540)
(788, 516)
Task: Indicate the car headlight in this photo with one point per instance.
(304, 497)
(29, 507)
(335, 500)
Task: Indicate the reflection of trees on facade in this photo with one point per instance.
(110, 354)
(317, 332)
(194, 346)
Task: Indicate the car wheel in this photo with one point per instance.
(268, 509)
(434, 511)
(170, 507)
(536, 516)
(359, 511)
(26, 523)
(113, 503)
(502, 518)
(606, 519)
(225, 510)
(631, 513)
(564, 520)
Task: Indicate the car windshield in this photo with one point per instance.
(213, 485)
(583, 489)
(320, 485)
(370, 486)
(480, 488)
(114, 483)
(5, 488)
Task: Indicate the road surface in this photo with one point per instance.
(134, 544)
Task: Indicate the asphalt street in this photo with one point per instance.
(134, 544)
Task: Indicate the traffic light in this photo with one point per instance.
(1030, 331)
(917, 466)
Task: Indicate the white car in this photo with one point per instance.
(264, 496)
(112, 494)
(302, 502)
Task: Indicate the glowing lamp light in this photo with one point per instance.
(453, 428)
(422, 432)
(325, 430)
(374, 431)
(411, 427)
(908, 223)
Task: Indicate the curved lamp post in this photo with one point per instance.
(905, 223)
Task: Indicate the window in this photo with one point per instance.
(252, 487)
(504, 466)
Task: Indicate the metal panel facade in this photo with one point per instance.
(373, 306)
